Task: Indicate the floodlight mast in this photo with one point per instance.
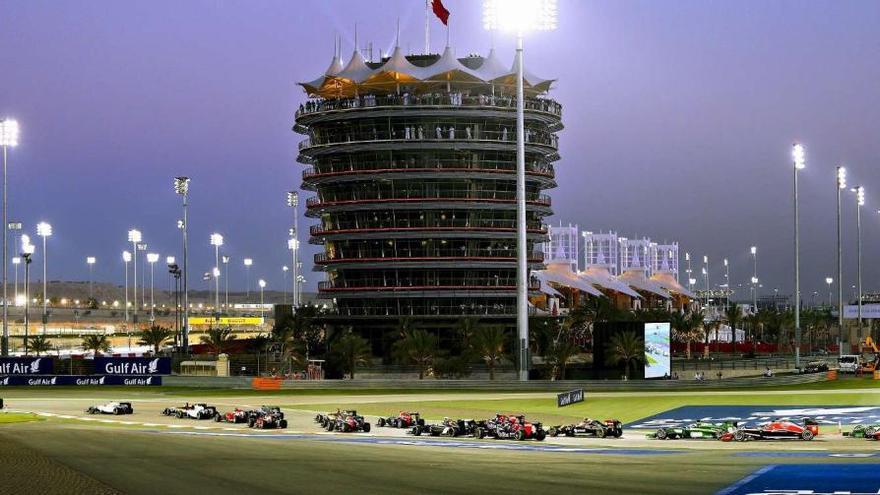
(841, 186)
(181, 187)
(8, 139)
(798, 156)
(520, 16)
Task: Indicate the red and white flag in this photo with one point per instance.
(440, 11)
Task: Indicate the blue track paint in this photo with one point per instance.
(809, 478)
(843, 455)
(488, 444)
(825, 415)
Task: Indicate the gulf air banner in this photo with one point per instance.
(26, 366)
(80, 381)
(132, 366)
(225, 321)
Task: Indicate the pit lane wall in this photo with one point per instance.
(244, 382)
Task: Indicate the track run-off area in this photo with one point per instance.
(139, 452)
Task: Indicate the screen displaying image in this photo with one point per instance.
(657, 355)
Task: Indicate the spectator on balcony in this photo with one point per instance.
(439, 132)
(468, 132)
(451, 132)
(504, 134)
(421, 132)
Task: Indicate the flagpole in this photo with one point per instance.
(427, 27)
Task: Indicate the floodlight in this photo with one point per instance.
(519, 15)
(799, 156)
(9, 133)
(134, 235)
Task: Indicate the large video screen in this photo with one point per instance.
(657, 355)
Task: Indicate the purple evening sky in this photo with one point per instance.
(679, 120)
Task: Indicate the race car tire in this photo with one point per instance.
(219, 418)
(600, 433)
(366, 427)
(282, 423)
(540, 435)
(870, 431)
(618, 433)
(520, 435)
(179, 414)
(116, 411)
(553, 432)
(398, 423)
(807, 435)
(251, 422)
(330, 426)
(381, 422)
(739, 436)
(661, 434)
(569, 433)
(450, 432)
(420, 422)
(479, 433)
(416, 430)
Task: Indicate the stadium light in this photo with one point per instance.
(798, 156)
(841, 186)
(216, 241)
(8, 139)
(860, 201)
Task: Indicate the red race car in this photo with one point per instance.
(403, 420)
(804, 429)
(513, 427)
(236, 416)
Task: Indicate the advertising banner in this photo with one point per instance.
(225, 321)
(657, 356)
(26, 366)
(132, 366)
(869, 311)
(79, 380)
(569, 398)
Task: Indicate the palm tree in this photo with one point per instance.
(218, 339)
(353, 350)
(465, 328)
(417, 347)
(733, 317)
(155, 337)
(96, 343)
(488, 343)
(625, 348)
(558, 355)
(39, 345)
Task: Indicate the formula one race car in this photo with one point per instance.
(449, 428)
(348, 423)
(713, 431)
(267, 417)
(805, 429)
(116, 408)
(235, 416)
(192, 411)
(326, 419)
(590, 427)
(511, 427)
(403, 420)
(869, 432)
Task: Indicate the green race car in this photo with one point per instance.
(865, 431)
(713, 431)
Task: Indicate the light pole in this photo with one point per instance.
(134, 237)
(754, 252)
(143, 247)
(170, 260)
(293, 202)
(225, 260)
(520, 17)
(44, 230)
(706, 276)
(8, 139)
(829, 281)
(727, 284)
(262, 284)
(293, 246)
(687, 259)
(798, 157)
(16, 260)
(181, 187)
(841, 185)
(284, 284)
(247, 277)
(216, 241)
(860, 201)
(90, 261)
(152, 258)
(126, 258)
(27, 252)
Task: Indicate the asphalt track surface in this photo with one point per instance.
(301, 425)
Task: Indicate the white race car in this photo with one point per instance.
(192, 411)
(116, 408)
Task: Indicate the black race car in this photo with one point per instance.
(192, 411)
(348, 423)
(325, 419)
(267, 417)
(404, 419)
(511, 427)
(450, 428)
(803, 429)
(589, 427)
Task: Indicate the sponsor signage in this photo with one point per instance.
(869, 311)
(206, 321)
(569, 398)
(132, 366)
(79, 380)
(26, 366)
(824, 415)
(658, 362)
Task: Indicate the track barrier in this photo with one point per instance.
(832, 375)
(266, 383)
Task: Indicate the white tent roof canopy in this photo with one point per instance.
(344, 81)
